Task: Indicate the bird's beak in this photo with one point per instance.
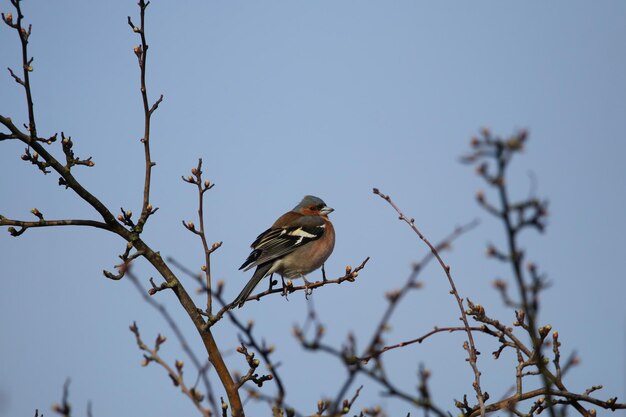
(326, 211)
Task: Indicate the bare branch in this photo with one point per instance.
(142, 56)
(201, 368)
(470, 347)
(203, 186)
(64, 409)
(420, 339)
(349, 276)
(27, 68)
(175, 374)
(48, 223)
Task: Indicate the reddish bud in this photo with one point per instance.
(499, 284)
(160, 339)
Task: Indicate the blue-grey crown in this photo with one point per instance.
(310, 200)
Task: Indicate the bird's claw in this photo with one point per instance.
(286, 287)
(307, 291)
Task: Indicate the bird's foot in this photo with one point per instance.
(287, 287)
(307, 290)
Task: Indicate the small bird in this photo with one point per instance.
(298, 242)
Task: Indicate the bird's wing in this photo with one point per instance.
(277, 242)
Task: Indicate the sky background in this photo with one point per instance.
(286, 98)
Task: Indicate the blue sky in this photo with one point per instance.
(283, 99)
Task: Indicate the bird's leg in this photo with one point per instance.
(307, 290)
(272, 282)
(323, 274)
(284, 286)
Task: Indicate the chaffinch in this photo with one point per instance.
(298, 242)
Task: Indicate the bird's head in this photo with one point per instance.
(313, 206)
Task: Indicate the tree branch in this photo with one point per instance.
(48, 223)
(141, 52)
(469, 347)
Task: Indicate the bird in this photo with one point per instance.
(298, 243)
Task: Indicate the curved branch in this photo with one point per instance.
(49, 223)
(420, 339)
(470, 347)
(67, 176)
(507, 403)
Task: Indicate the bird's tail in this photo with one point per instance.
(259, 274)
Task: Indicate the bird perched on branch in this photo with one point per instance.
(298, 242)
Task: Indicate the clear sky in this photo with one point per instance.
(287, 98)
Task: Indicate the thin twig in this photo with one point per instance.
(142, 56)
(64, 408)
(471, 348)
(152, 355)
(247, 329)
(203, 187)
(420, 339)
(48, 223)
(202, 369)
(27, 68)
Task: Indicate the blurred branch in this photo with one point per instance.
(202, 369)
(262, 348)
(394, 297)
(516, 217)
(420, 339)
(354, 367)
(569, 398)
(469, 346)
(64, 408)
(176, 375)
